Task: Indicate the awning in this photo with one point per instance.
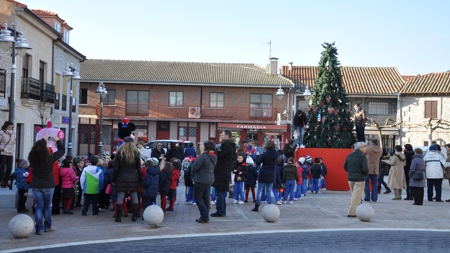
(384, 131)
(87, 116)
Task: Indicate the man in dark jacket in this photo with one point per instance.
(299, 123)
(222, 171)
(357, 170)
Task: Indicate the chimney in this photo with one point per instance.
(273, 66)
(290, 66)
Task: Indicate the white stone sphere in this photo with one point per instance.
(153, 215)
(365, 212)
(271, 213)
(21, 226)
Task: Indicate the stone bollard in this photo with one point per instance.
(365, 212)
(271, 213)
(21, 226)
(153, 215)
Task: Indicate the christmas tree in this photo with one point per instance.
(329, 123)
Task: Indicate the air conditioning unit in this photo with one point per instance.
(194, 112)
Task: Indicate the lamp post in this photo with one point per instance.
(19, 43)
(73, 74)
(101, 90)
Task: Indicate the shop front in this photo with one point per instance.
(280, 134)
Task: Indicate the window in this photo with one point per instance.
(3, 83)
(57, 26)
(137, 102)
(176, 99)
(64, 102)
(216, 100)
(106, 135)
(302, 105)
(84, 134)
(192, 131)
(261, 105)
(110, 99)
(381, 108)
(66, 36)
(83, 96)
(431, 109)
(41, 72)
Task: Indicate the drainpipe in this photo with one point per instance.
(399, 111)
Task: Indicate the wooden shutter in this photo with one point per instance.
(431, 109)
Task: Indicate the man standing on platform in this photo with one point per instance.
(299, 123)
(222, 171)
(360, 122)
(357, 170)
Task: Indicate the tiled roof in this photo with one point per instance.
(407, 78)
(126, 71)
(434, 83)
(355, 80)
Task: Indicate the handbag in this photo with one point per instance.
(418, 176)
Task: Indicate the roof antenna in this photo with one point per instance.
(270, 48)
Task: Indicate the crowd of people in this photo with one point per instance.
(132, 180)
(407, 169)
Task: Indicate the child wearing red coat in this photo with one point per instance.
(174, 183)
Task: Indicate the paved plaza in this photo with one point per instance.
(317, 221)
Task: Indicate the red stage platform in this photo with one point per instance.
(336, 178)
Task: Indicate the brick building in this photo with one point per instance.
(182, 100)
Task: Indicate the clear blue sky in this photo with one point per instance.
(413, 36)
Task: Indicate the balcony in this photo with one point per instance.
(33, 91)
(48, 93)
(154, 111)
(31, 88)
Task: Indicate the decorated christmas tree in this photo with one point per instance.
(329, 123)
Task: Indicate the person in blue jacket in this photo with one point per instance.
(21, 173)
(150, 183)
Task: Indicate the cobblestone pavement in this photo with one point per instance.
(326, 212)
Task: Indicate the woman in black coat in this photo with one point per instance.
(171, 151)
(127, 175)
(267, 173)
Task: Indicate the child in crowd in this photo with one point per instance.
(316, 172)
(68, 179)
(239, 173)
(91, 181)
(305, 173)
(104, 198)
(141, 189)
(174, 183)
(324, 173)
(290, 176)
(250, 179)
(309, 163)
(278, 189)
(150, 182)
(164, 183)
(298, 189)
(188, 162)
(79, 166)
(21, 173)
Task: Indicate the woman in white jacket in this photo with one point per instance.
(7, 149)
(434, 163)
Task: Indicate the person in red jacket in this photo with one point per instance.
(174, 182)
(68, 179)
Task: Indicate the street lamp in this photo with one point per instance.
(74, 75)
(306, 94)
(280, 93)
(101, 90)
(20, 43)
